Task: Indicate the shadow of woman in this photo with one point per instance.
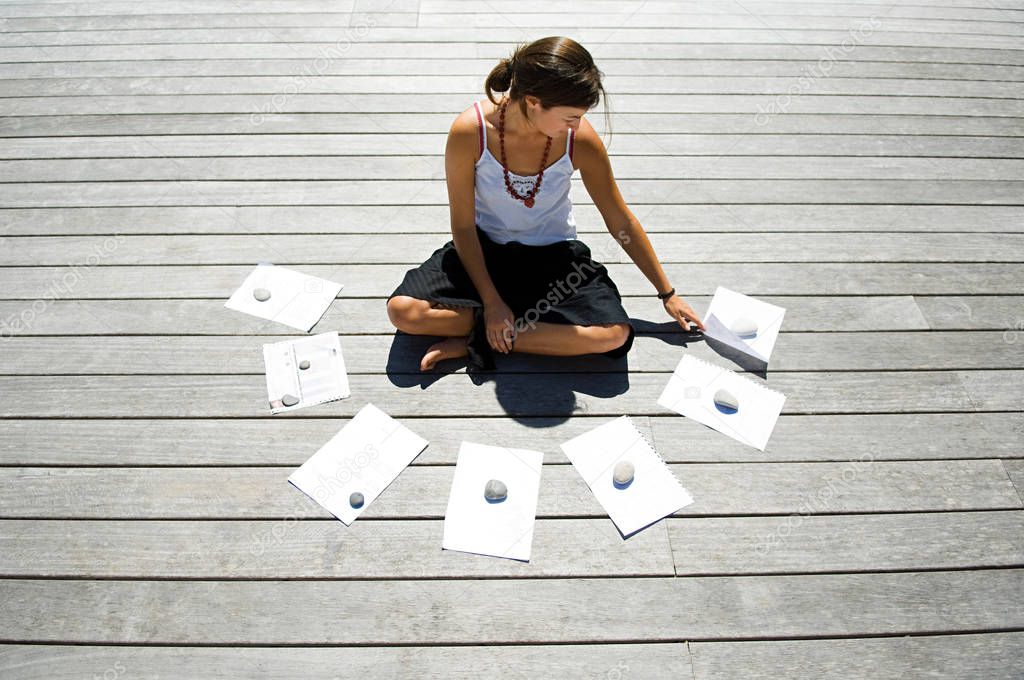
(536, 390)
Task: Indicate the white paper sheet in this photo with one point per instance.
(654, 493)
(728, 306)
(501, 529)
(325, 380)
(366, 455)
(297, 300)
(691, 392)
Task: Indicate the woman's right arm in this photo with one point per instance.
(459, 163)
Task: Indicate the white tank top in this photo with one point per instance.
(504, 218)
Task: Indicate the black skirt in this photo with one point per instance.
(556, 283)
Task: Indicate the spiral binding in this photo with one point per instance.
(654, 451)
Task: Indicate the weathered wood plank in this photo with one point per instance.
(430, 102)
(635, 154)
(935, 9)
(1002, 23)
(442, 612)
(427, 192)
(472, 66)
(409, 393)
(238, 355)
(834, 543)
(991, 655)
(657, 661)
(1015, 471)
(265, 441)
(896, 436)
(858, 486)
(301, 249)
(369, 315)
(671, 218)
(470, 83)
(408, 167)
(793, 48)
(709, 124)
(985, 388)
(826, 279)
(386, 36)
(954, 311)
(389, 549)
(315, 549)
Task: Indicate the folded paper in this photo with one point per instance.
(729, 311)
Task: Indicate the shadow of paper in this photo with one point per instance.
(748, 363)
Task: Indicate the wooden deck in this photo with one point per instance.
(859, 163)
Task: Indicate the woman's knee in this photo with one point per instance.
(405, 312)
(613, 335)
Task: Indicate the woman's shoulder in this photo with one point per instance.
(467, 119)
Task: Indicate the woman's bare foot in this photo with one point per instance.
(449, 348)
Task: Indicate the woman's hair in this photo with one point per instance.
(557, 70)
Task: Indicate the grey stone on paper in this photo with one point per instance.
(495, 491)
(356, 500)
(726, 400)
(623, 473)
(744, 327)
(304, 364)
(261, 294)
(289, 400)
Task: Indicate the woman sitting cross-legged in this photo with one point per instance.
(514, 277)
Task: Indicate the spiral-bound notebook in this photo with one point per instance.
(691, 392)
(654, 491)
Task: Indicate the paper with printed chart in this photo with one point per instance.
(474, 524)
(310, 369)
(691, 392)
(295, 299)
(729, 309)
(364, 457)
(654, 492)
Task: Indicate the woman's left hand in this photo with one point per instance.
(681, 312)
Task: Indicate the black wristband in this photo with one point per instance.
(665, 296)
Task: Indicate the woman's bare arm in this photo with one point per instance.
(460, 162)
(591, 158)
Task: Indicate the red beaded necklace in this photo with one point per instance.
(528, 198)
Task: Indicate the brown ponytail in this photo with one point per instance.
(557, 70)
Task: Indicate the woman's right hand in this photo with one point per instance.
(500, 324)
